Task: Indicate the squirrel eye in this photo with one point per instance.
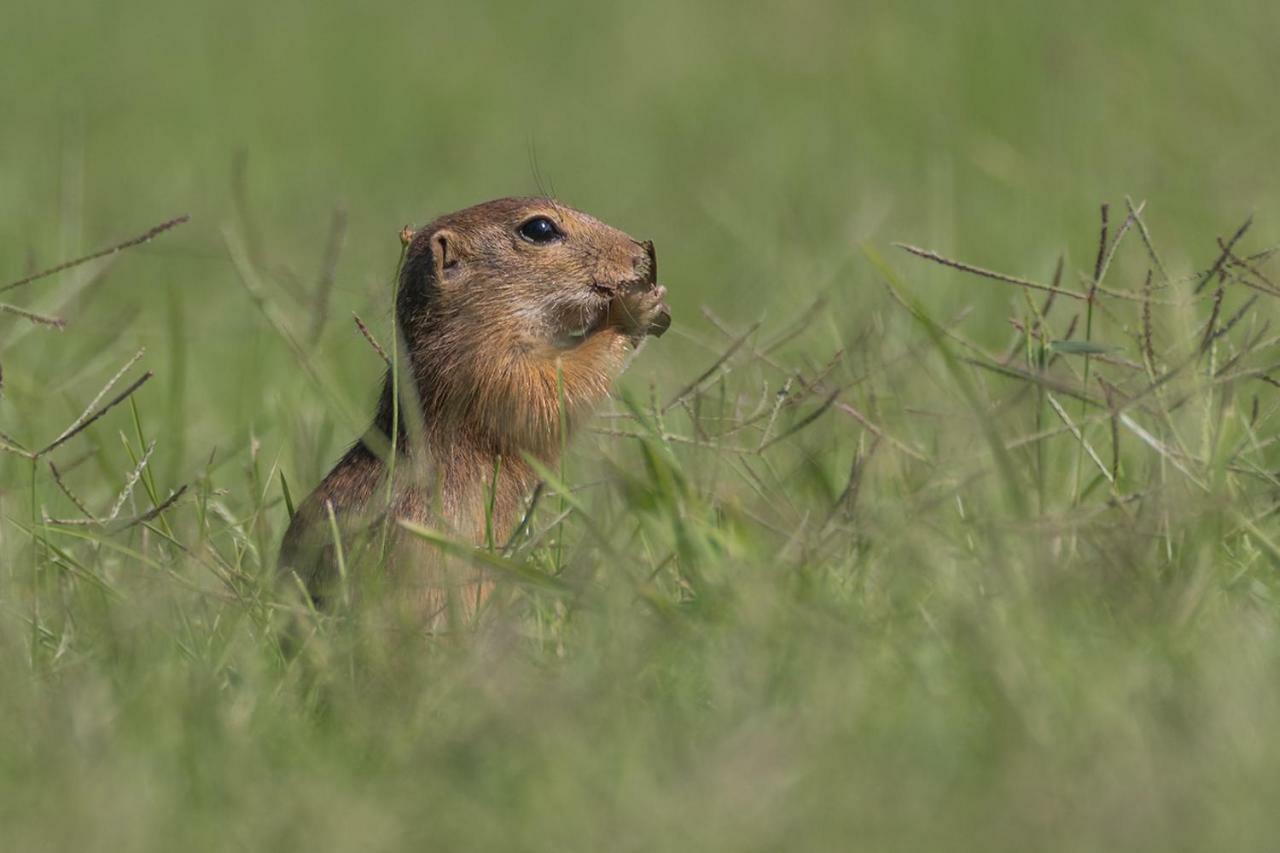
(540, 229)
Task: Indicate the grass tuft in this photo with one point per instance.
(899, 560)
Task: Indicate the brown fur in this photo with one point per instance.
(494, 326)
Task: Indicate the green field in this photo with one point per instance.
(866, 553)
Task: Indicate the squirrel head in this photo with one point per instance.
(528, 271)
(512, 307)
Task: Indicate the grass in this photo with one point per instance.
(967, 543)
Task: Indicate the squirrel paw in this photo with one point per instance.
(641, 312)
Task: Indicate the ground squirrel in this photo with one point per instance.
(506, 309)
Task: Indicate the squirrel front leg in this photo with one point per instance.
(589, 368)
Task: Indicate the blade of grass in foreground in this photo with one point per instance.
(510, 568)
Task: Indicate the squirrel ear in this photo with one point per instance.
(433, 259)
(444, 253)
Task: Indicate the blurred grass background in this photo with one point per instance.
(940, 671)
